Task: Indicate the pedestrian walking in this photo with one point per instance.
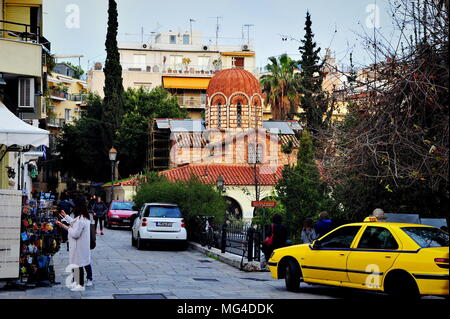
(99, 210)
(308, 233)
(91, 203)
(324, 225)
(79, 244)
(276, 236)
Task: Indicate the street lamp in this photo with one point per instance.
(112, 158)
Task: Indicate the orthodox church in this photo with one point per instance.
(232, 146)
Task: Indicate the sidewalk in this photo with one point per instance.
(227, 258)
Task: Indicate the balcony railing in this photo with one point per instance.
(24, 32)
(54, 122)
(60, 94)
(194, 101)
(167, 69)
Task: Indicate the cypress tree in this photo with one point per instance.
(312, 101)
(113, 102)
(301, 190)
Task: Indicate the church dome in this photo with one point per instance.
(234, 80)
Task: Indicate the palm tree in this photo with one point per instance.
(281, 87)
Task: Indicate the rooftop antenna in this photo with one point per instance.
(248, 32)
(217, 29)
(142, 34)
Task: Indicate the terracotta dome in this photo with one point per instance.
(229, 81)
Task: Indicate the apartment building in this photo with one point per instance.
(24, 53)
(64, 96)
(181, 62)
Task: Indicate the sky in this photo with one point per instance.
(78, 27)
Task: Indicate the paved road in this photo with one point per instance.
(120, 268)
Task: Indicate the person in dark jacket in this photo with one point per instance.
(91, 203)
(279, 236)
(99, 210)
(66, 204)
(324, 225)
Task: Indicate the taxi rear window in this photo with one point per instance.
(427, 237)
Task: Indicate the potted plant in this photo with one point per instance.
(217, 63)
(186, 62)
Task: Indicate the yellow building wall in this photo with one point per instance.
(59, 107)
(19, 11)
(20, 58)
(4, 172)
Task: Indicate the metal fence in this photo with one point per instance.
(240, 240)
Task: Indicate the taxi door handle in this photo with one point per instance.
(341, 254)
(387, 256)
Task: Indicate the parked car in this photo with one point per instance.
(120, 213)
(158, 222)
(396, 258)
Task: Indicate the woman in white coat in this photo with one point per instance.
(79, 243)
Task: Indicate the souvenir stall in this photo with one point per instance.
(40, 239)
(23, 222)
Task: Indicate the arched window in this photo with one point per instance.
(239, 114)
(219, 114)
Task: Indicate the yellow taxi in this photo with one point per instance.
(396, 258)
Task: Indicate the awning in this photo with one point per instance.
(237, 53)
(185, 83)
(14, 131)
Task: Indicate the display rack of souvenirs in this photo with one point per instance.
(40, 239)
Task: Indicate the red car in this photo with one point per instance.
(120, 213)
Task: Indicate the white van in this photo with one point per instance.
(157, 222)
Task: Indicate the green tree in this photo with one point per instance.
(142, 105)
(281, 86)
(301, 190)
(113, 102)
(313, 99)
(193, 197)
(80, 150)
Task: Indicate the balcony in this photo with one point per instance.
(58, 95)
(55, 123)
(23, 32)
(178, 70)
(192, 101)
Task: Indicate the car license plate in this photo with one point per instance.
(163, 224)
(126, 219)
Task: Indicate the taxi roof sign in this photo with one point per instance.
(370, 219)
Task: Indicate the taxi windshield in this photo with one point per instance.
(427, 237)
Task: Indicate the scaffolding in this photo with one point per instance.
(158, 146)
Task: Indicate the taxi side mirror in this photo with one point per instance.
(316, 244)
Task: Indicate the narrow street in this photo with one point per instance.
(120, 268)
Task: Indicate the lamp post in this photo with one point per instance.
(112, 158)
(220, 183)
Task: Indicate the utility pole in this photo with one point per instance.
(190, 25)
(248, 32)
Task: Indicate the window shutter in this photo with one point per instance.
(26, 93)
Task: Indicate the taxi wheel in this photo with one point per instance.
(292, 275)
(402, 285)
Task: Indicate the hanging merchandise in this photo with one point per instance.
(40, 240)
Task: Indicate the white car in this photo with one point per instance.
(158, 222)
